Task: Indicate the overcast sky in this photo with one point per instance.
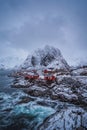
(26, 25)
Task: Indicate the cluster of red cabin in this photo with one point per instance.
(50, 78)
(46, 77)
(31, 77)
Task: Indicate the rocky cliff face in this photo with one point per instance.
(49, 57)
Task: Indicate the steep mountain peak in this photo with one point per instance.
(49, 57)
(51, 50)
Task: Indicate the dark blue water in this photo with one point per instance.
(5, 81)
(16, 114)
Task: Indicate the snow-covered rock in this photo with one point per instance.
(70, 118)
(80, 70)
(69, 89)
(49, 57)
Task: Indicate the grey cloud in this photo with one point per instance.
(27, 25)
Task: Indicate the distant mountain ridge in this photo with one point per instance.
(10, 62)
(48, 57)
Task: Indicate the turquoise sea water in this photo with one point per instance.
(15, 115)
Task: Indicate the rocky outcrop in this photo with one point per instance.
(66, 89)
(80, 70)
(69, 118)
(49, 57)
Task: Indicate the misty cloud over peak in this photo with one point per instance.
(28, 25)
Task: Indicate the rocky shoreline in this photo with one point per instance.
(66, 88)
(71, 89)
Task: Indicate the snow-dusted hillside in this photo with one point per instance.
(10, 62)
(48, 57)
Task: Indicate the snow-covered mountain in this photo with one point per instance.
(10, 62)
(48, 57)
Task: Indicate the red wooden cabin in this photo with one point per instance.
(31, 77)
(50, 78)
(45, 71)
(48, 71)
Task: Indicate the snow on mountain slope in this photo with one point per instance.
(48, 57)
(10, 62)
